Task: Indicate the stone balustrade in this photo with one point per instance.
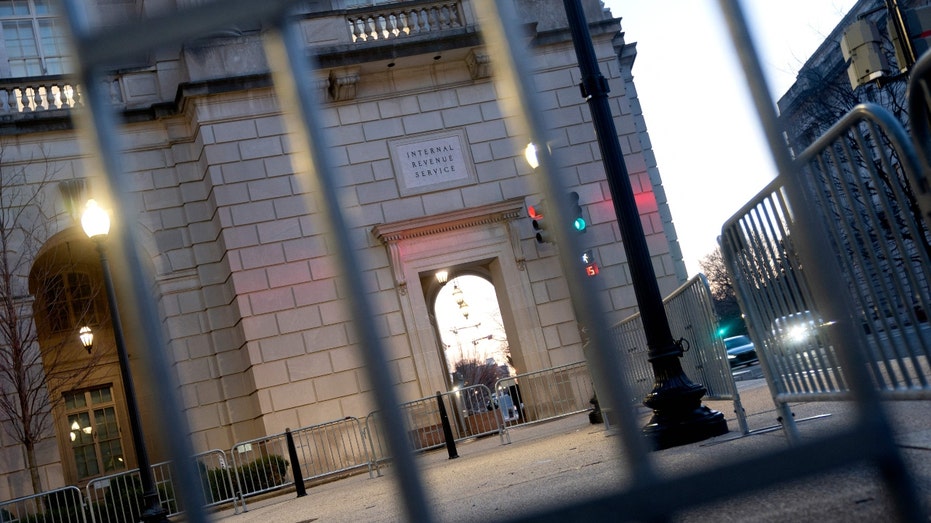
(388, 22)
(32, 95)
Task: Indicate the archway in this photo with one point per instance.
(473, 339)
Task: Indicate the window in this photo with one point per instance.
(94, 432)
(69, 301)
(33, 39)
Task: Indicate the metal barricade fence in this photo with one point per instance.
(332, 448)
(64, 505)
(261, 465)
(217, 479)
(470, 415)
(880, 243)
(544, 395)
(691, 316)
(118, 497)
(287, 56)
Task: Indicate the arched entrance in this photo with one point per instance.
(483, 242)
(472, 334)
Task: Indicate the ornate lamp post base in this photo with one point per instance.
(679, 418)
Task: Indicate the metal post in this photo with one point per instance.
(447, 429)
(678, 415)
(152, 510)
(296, 473)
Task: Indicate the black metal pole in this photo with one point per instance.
(152, 510)
(296, 473)
(678, 415)
(447, 429)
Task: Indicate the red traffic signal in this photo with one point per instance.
(535, 212)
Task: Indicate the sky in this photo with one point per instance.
(706, 137)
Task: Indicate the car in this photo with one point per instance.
(797, 331)
(740, 351)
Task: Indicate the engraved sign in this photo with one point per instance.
(430, 164)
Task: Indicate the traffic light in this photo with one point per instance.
(578, 222)
(539, 227)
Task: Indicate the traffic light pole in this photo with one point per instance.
(678, 414)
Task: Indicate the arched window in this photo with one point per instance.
(34, 41)
(68, 301)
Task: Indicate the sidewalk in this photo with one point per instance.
(552, 463)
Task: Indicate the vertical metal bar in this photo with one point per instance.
(98, 120)
(825, 277)
(500, 32)
(293, 78)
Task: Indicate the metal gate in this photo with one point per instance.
(649, 496)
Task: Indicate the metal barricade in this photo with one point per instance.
(216, 479)
(876, 237)
(118, 497)
(471, 414)
(332, 448)
(261, 465)
(544, 395)
(691, 316)
(288, 58)
(64, 505)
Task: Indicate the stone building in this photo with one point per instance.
(823, 93)
(257, 326)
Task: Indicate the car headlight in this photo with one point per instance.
(798, 334)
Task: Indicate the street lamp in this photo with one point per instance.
(679, 417)
(96, 224)
(87, 338)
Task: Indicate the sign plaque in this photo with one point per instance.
(431, 163)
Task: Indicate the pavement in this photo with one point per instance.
(558, 462)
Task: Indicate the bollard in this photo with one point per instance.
(295, 465)
(447, 429)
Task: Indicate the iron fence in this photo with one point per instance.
(118, 497)
(856, 180)
(287, 56)
(332, 448)
(468, 409)
(64, 505)
(691, 315)
(544, 395)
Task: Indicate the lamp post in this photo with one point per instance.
(96, 224)
(678, 415)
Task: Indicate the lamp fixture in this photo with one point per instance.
(95, 221)
(87, 338)
(442, 277)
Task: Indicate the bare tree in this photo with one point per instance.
(723, 294)
(32, 377)
(475, 372)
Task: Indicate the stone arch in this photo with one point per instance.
(481, 239)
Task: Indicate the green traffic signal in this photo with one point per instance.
(580, 224)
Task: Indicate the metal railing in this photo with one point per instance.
(544, 395)
(331, 449)
(468, 410)
(64, 505)
(855, 177)
(691, 317)
(648, 495)
(118, 497)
